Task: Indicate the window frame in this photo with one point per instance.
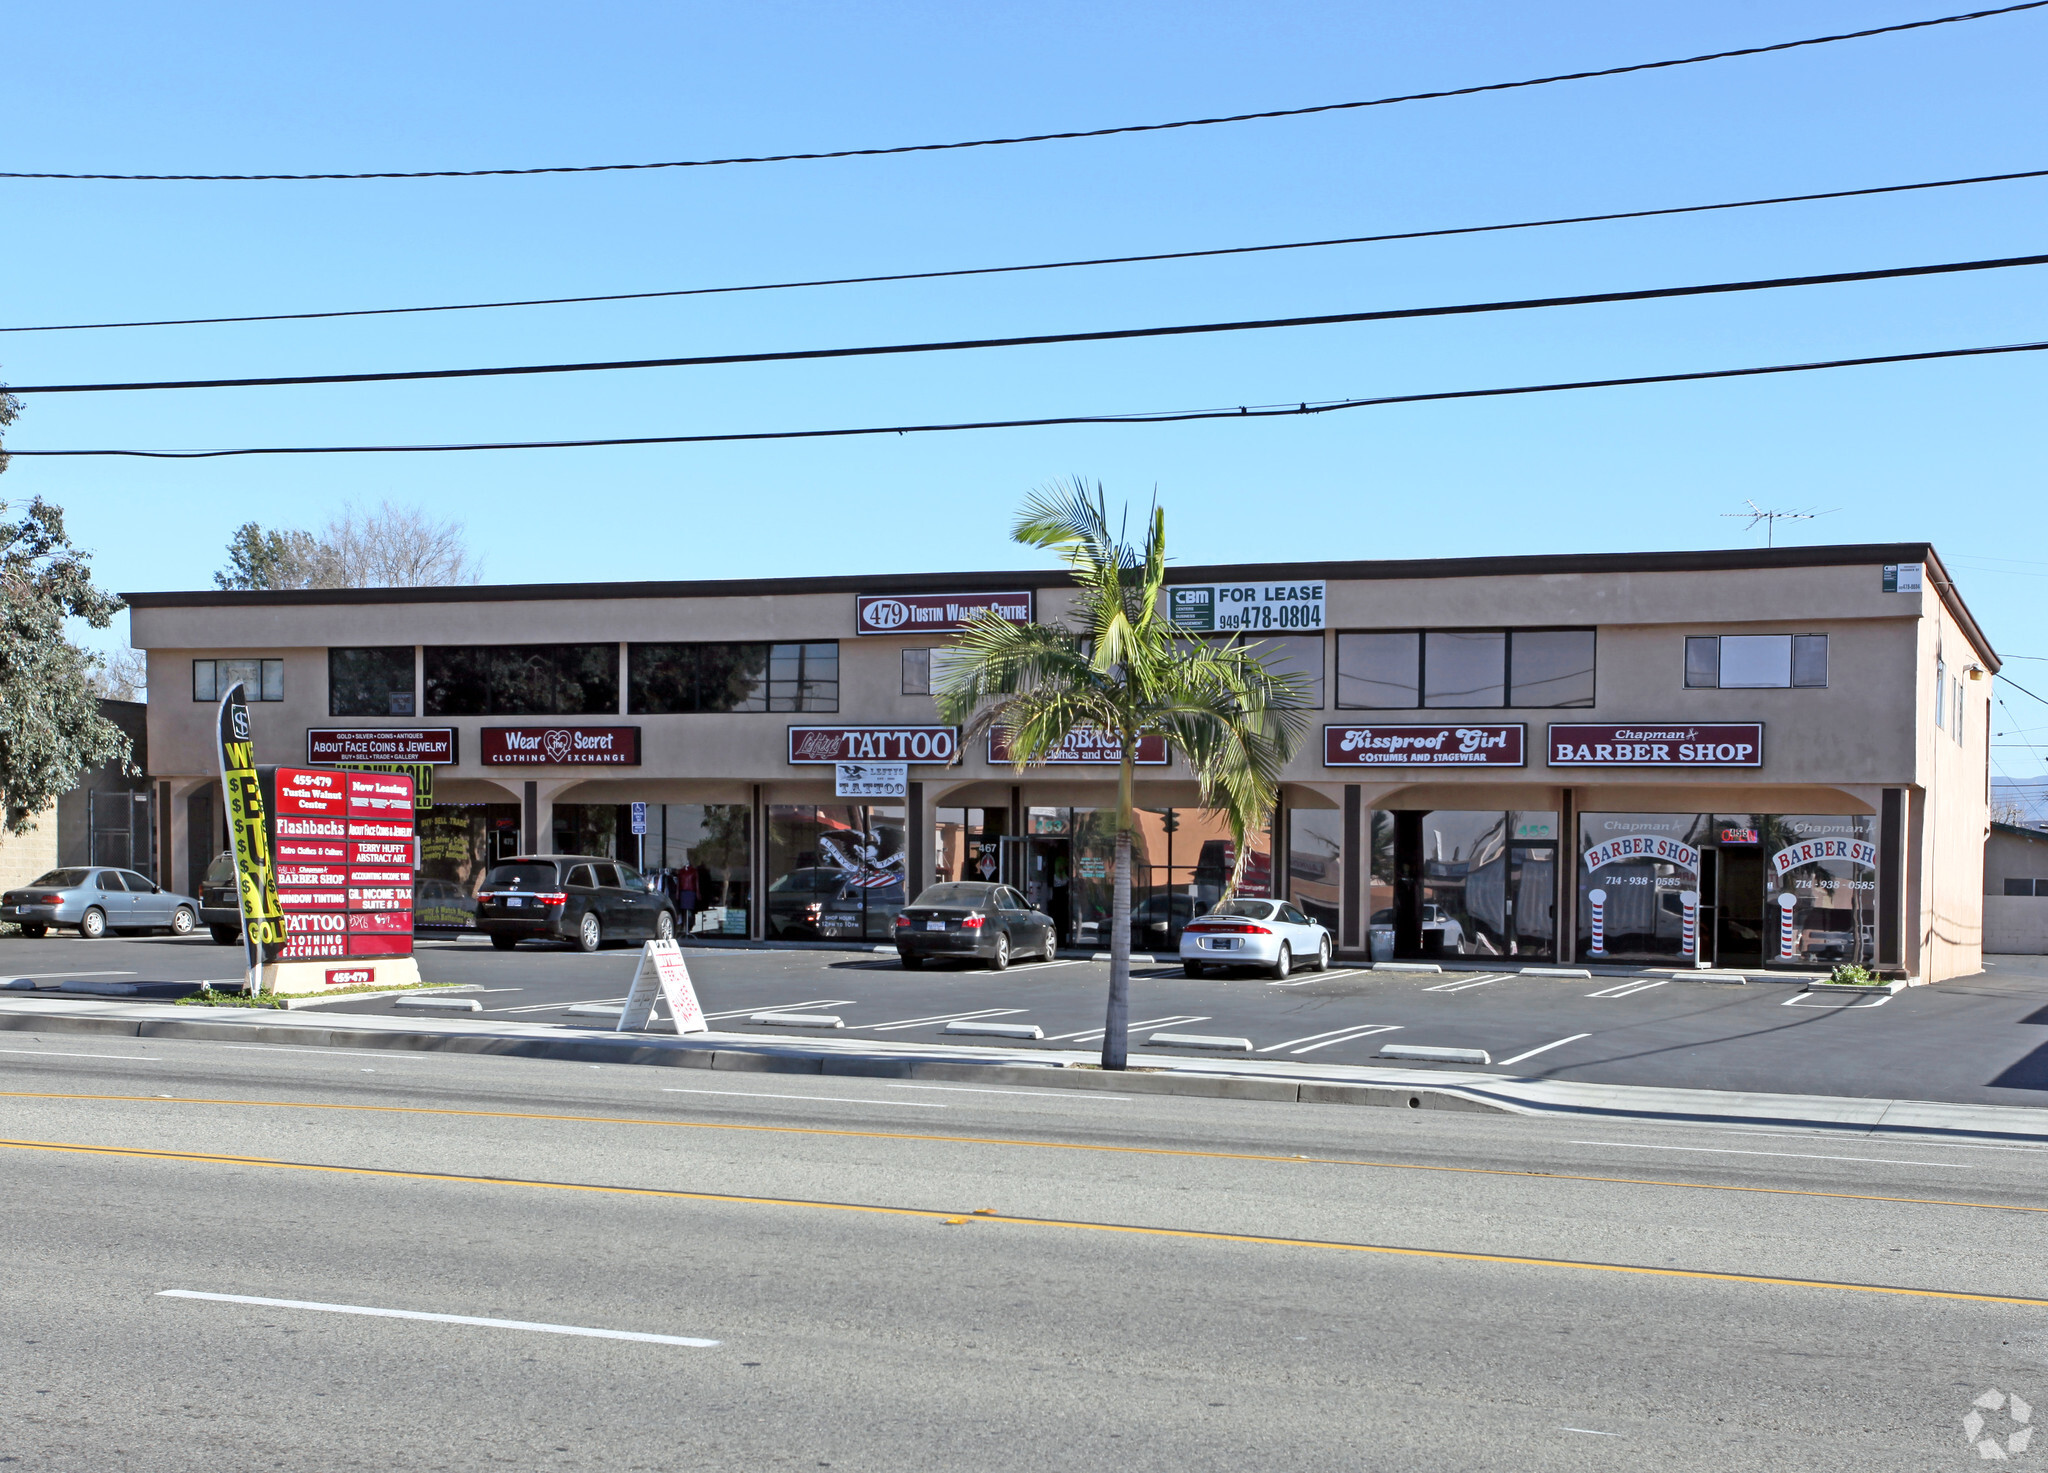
(265, 669)
(412, 654)
(1334, 667)
(806, 694)
(490, 688)
(1792, 662)
(917, 684)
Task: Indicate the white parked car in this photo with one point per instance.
(1271, 934)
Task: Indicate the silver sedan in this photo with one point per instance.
(94, 901)
(1270, 934)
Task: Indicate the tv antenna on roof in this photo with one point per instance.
(1770, 519)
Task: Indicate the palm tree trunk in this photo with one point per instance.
(1116, 1029)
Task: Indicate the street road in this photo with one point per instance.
(870, 1274)
(1981, 1040)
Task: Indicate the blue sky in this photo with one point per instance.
(1952, 452)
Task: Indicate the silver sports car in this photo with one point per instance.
(95, 901)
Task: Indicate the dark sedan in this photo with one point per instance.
(581, 899)
(972, 921)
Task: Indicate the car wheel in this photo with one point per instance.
(913, 963)
(183, 922)
(1191, 969)
(665, 926)
(93, 924)
(1283, 963)
(1323, 956)
(504, 943)
(34, 932)
(589, 934)
(1000, 960)
(225, 935)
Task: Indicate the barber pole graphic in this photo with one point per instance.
(1599, 900)
(1785, 904)
(1690, 927)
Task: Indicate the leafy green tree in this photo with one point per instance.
(51, 729)
(1119, 667)
(258, 558)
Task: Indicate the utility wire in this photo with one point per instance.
(1042, 339)
(1292, 245)
(2020, 688)
(1288, 112)
(1173, 417)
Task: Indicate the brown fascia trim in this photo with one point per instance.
(1711, 560)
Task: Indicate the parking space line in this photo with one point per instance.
(1543, 1048)
(814, 1002)
(1801, 1001)
(1134, 1026)
(477, 1321)
(901, 1023)
(1461, 984)
(1349, 1037)
(1629, 988)
(542, 1007)
(1318, 977)
(1273, 1048)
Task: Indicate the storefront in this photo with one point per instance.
(1759, 759)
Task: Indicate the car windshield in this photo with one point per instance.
(221, 871)
(1251, 910)
(521, 877)
(957, 894)
(62, 879)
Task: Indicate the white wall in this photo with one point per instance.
(2016, 925)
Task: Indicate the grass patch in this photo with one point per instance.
(1851, 975)
(209, 997)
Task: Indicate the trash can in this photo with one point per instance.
(1380, 940)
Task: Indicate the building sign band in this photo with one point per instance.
(346, 857)
(560, 746)
(824, 744)
(328, 746)
(1088, 748)
(1221, 608)
(934, 613)
(1726, 745)
(1424, 746)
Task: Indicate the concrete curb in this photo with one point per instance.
(1150, 1074)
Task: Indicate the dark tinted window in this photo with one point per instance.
(955, 894)
(221, 871)
(607, 875)
(583, 875)
(370, 682)
(1381, 671)
(111, 880)
(1251, 910)
(1464, 668)
(522, 680)
(1550, 667)
(675, 679)
(1702, 662)
(2019, 887)
(1810, 659)
(62, 879)
(138, 883)
(521, 877)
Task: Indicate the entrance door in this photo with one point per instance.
(1532, 901)
(1739, 899)
(1710, 907)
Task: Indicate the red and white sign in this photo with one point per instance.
(382, 851)
(310, 851)
(379, 897)
(375, 828)
(311, 898)
(662, 972)
(560, 746)
(1425, 746)
(351, 976)
(821, 744)
(387, 922)
(298, 876)
(433, 745)
(1817, 851)
(381, 945)
(1652, 745)
(1090, 749)
(381, 876)
(301, 791)
(379, 795)
(934, 613)
(291, 826)
(1643, 846)
(311, 946)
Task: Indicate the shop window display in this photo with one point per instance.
(458, 843)
(1636, 872)
(1315, 863)
(1821, 876)
(835, 871)
(701, 854)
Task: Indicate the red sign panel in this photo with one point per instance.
(292, 826)
(1466, 745)
(381, 851)
(435, 745)
(1090, 749)
(376, 922)
(379, 795)
(351, 976)
(560, 746)
(310, 851)
(381, 945)
(933, 613)
(809, 744)
(1649, 744)
(302, 791)
(310, 946)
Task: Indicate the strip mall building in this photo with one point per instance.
(1741, 758)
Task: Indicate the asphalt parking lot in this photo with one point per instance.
(1982, 1039)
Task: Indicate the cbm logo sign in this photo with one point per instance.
(1191, 608)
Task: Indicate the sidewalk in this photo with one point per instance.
(1061, 1069)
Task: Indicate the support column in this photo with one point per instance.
(530, 817)
(1567, 901)
(163, 868)
(757, 860)
(917, 841)
(1891, 886)
(1356, 863)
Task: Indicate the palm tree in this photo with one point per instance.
(1121, 669)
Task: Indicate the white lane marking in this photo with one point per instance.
(440, 1319)
(1794, 1155)
(1589, 1431)
(753, 1094)
(1541, 1048)
(1800, 1001)
(1629, 988)
(45, 976)
(66, 1054)
(1134, 1026)
(1330, 1034)
(287, 1048)
(1316, 977)
(1039, 1094)
(939, 1018)
(1461, 984)
(1349, 1037)
(815, 1002)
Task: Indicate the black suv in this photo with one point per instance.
(220, 903)
(577, 898)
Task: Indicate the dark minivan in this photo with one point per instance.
(578, 898)
(975, 922)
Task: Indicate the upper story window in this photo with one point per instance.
(917, 672)
(677, 679)
(261, 680)
(1456, 669)
(1756, 661)
(371, 682)
(522, 680)
(1294, 654)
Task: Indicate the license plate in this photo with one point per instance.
(513, 902)
(935, 925)
(1223, 945)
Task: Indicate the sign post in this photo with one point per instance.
(263, 935)
(662, 973)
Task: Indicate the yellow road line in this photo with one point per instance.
(1034, 1145)
(950, 1218)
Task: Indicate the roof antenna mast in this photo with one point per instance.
(1770, 519)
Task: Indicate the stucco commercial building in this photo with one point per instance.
(1743, 758)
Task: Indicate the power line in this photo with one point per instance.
(1292, 245)
(1045, 339)
(1172, 417)
(1289, 112)
(2020, 688)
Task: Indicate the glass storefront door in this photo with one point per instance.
(1532, 902)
